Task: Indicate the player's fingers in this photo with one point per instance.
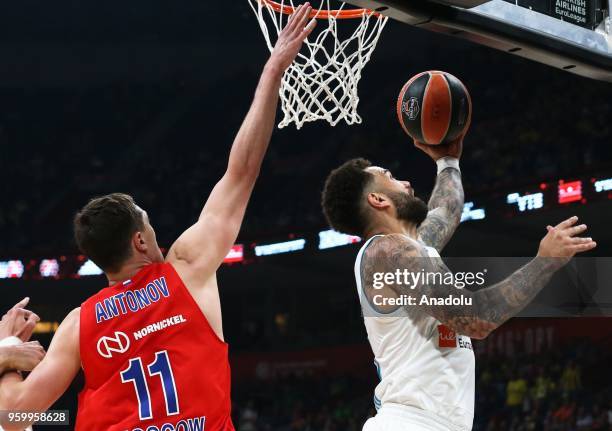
(25, 313)
(579, 240)
(35, 348)
(28, 328)
(19, 313)
(567, 223)
(579, 248)
(295, 18)
(575, 230)
(22, 303)
(33, 317)
(32, 344)
(419, 145)
(291, 20)
(301, 20)
(309, 28)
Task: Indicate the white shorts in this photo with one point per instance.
(395, 417)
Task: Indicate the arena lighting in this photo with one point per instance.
(11, 269)
(236, 254)
(89, 268)
(280, 247)
(49, 268)
(330, 238)
(526, 202)
(603, 185)
(46, 327)
(471, 213)
(569, 191)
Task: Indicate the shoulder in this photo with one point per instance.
(67, 336)
(74, 313)
(72, 321)
(389, 246)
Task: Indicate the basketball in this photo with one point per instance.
(434, 107)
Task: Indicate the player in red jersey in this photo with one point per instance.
(151, 345)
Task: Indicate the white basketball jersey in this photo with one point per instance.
(414, 367)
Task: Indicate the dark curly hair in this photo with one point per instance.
(104, 227)
(342, 196)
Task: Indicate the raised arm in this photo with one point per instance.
(200, 250)
(491, 306)
(49, 380)
(446, 202)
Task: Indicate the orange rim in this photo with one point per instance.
(323, 13)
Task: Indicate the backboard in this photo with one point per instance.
(574, 35)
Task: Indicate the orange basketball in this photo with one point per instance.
(434, 107)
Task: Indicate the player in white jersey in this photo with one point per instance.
(423, 352)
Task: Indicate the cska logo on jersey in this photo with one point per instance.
(120, 343)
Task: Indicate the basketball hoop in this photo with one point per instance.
(321, 84)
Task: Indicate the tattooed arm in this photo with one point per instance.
(446, 202)
(491, 306)
(445, 208)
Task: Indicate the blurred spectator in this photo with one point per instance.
(584, 419)
(570, 379)
(516, 390)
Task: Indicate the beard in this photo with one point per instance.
(409, 208)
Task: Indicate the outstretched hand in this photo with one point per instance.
(452, 149)
(291, 38)
(563, 240)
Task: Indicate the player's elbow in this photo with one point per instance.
(246, 169)
(8, 405)
(9, 401)
(479, 335)
(480, 329)
(472, 327)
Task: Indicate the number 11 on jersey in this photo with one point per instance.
(161, 367)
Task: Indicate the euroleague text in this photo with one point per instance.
(132, 300)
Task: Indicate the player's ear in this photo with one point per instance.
(378, 201)
(139, 242)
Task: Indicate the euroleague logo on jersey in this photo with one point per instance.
(120, 343)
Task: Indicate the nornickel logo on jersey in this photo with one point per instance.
(120, 343)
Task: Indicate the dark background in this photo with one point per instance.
(146, 97)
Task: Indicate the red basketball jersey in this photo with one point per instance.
(151, 360)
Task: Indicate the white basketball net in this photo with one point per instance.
(321, 84)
